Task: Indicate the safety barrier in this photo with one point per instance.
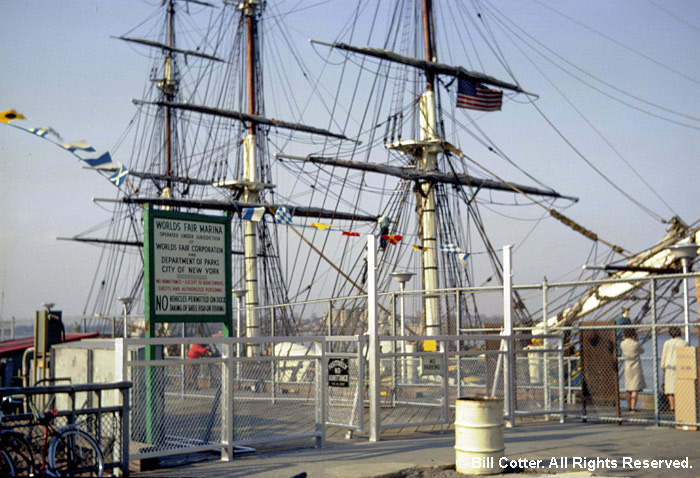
(393, 378)
(104, 406)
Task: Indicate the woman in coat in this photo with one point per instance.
(634, 377)
(668, 364)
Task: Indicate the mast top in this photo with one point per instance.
(249, 7)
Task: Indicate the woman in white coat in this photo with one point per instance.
(668, 364)
(634, 376)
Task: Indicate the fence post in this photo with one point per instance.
(274, 362)
(655, 353)
(394, 364)
(183, 367)
(508, 383)
(120, 354)
(362, 342)
(458, 342)
(560, 342)
(321, 396)
(373, 329)
(445, 382)
(125, 431)
(227, 450)
(330, 318)
(547, 398)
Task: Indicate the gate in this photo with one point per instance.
(225, 401)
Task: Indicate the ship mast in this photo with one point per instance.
(169, 88)
(251, 188)
(425, 194)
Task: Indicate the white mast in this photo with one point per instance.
(251, 189)
(426, 196)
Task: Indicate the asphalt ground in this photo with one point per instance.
(546, 449)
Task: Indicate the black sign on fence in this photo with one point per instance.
(338, 372)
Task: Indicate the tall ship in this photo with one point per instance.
(384, 138)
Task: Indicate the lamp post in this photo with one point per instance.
(402, 278)
(685, 252)
(239, 294)
(125, 301)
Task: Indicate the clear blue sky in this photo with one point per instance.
(62, 69)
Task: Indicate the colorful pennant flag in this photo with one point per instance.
(352, 234)
(450, 248)
(319, 226)
(476, 96)
(392, 238)
(10, 115)
(44, 131)
(419, 248)
(463, 258)
(254, 214)
(78, 145)
(283, 216)
(103, 162)
(119, 177)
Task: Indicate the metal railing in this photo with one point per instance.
(104, 419)
(228, 401)
(233, 399)
(220, 403)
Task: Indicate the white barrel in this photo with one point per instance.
(479, 435)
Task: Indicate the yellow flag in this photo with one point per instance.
(320, 227)
(419, 248)
(9, 115)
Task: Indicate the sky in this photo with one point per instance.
(62, 69)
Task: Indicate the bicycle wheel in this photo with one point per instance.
(20, 451)
(6, 466)
(75, 453)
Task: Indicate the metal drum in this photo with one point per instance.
(479, 435)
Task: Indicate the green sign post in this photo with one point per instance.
(187, 279)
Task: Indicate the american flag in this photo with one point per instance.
(476, 96)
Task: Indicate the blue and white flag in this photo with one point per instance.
(283, 216)
(78, 145)
(450, 248)
(463, 258)
(103, 162)
(44, 131)
(254, 214)
(119, 177)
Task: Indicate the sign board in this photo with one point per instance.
(188, 267)
(431, 366)
(338, 372)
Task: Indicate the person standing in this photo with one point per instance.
(195, 351)
(634, 376)
(623, 319)
(668, 364)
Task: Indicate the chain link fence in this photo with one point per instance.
(97, 409)
(561, 361)
(228, 400)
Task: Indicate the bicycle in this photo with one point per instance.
(18, 459)
(7, 468)
(66, 451)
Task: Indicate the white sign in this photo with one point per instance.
(431, 366)
(189, 267)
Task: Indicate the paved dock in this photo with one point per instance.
(584, 449)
